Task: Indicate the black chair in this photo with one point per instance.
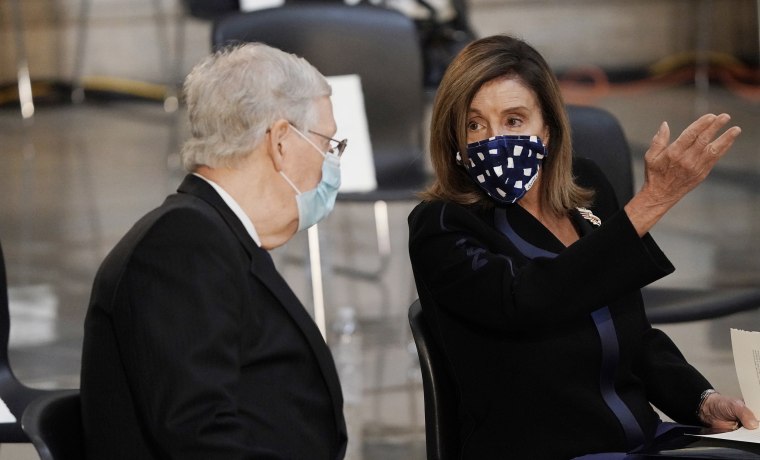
(54, 425)
(210, 9)
(16, 395)
(597, 135)
(441, 402)
(382, 47)
(379, 45)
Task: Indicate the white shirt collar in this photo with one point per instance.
(235, 207)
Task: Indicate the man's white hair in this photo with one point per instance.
(234, 95)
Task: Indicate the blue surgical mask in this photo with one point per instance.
(505, 167)
(315, 204)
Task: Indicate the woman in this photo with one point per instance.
(529, 272)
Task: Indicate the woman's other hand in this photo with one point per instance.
(725, 413)
(674, 169)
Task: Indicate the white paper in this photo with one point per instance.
(5, 413)
(356, 165)
(746, 348)
(742, 434)
(253, 5)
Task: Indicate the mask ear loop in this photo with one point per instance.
(290, 182)
(324, 155)
(287, 179)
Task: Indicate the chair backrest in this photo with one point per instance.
(210, 9)
(13, 394)
(54, 424)
(5, 318)
(378, 44)
(598, 136)
(441, 402)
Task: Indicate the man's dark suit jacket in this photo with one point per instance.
(196, 348)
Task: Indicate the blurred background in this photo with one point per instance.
(95, 147)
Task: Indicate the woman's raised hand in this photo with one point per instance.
(673, 170)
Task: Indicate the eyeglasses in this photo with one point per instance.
(339, 146)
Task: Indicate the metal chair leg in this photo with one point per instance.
(77, 89)
(317, 286)
(702, 64)
(24, 80)
(171, 103)
(382, 232)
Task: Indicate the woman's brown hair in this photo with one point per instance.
(483, 60)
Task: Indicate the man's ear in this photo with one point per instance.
(276, 136)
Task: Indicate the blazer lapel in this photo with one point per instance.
(263, 268)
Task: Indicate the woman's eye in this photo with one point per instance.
(473, 126)
(514, 122)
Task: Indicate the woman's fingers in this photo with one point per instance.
(722, 144)
(699, 138)
(673, 170)
(659, 141)
(700, 132)
(695, 151)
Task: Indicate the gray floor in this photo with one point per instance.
(75, 180)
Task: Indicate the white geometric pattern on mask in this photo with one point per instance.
(514, 160)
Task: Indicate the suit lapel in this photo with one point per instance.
(263, 268)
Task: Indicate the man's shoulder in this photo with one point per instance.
(180, 218)
(180, 210)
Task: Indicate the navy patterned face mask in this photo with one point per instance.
(505, 167)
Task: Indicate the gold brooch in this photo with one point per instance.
(589, 216)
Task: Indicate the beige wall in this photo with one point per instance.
(123, 37)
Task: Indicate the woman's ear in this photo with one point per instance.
(276, 136)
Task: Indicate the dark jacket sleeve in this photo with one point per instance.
(180, 342)
(473, 271)
(672, 384)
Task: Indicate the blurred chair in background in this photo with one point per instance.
(210, 9)
(54, 425)
(169, 58)
(597, 135)
(13, 393)
(23, 78)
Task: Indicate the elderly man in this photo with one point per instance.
(194, 346)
